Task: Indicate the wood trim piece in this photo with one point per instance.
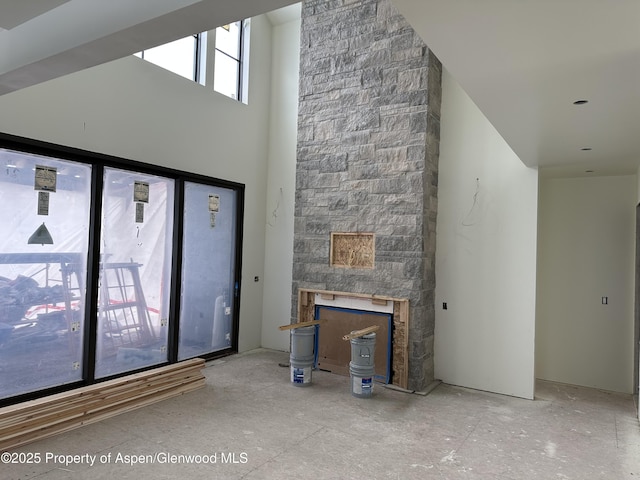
(300, 325)
(361, 333)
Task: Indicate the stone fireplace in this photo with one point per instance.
(367, 162)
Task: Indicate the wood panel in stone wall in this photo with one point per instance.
(352, 250)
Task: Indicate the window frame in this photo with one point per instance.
(199, 47)
(239, 61)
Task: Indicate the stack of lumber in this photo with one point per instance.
(36, 419)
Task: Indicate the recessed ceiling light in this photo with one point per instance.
(580, 102)
(585, 149)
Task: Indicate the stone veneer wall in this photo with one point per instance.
(368, 145)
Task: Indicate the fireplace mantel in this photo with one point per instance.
(400, 310)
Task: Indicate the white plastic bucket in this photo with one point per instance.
(361, 380)
(301, 372)
(302, 355)
(363, 349)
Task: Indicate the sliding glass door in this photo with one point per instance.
(109, 267)
(208, 287)
(44, 213)
(135, 271)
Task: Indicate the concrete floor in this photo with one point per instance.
(259, 426)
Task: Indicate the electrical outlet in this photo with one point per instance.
(444, 305)
(605, 300)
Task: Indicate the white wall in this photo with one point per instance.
(586, 252)
(133, 109)
(276, 309)
(486, 254)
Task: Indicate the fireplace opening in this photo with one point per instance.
(333, 354)
(343, 312)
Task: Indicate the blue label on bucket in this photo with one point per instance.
(362, 386)
(300, 375)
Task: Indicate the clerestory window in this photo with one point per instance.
(188, 57)
(227, 70)
(184, 57)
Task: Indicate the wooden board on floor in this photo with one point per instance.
(33, 420)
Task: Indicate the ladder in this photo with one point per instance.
(123, 314)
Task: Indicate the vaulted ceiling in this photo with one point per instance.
(523, 62)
